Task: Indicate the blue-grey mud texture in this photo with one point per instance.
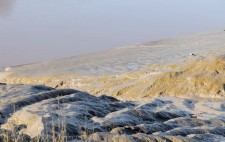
(39, 111)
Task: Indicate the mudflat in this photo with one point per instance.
(167, 90)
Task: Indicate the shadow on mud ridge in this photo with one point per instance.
(41, 113)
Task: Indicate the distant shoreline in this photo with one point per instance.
(106, 49)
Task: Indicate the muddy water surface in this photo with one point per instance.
(37, 30)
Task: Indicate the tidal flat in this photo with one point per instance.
(165, 90)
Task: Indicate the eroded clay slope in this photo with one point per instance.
(43, 113)
(202, 77)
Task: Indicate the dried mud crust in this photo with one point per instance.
(76, 115)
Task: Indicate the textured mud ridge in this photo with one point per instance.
(43, 113)
(202, 77)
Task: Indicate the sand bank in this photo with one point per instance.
(190, 65)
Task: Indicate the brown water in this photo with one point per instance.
(36, 30)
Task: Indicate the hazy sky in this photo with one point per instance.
(36, 30)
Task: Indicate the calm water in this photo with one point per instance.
(36, 30)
